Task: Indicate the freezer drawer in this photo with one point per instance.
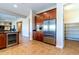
(49, 40)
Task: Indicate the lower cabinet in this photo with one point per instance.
(2, 40)
(8, 39)
(38, 35)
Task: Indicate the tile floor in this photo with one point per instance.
(34, 47)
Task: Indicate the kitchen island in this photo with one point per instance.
(8, 38)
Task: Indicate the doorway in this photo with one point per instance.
(19, 26)
(71, 26)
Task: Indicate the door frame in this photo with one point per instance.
(17, 25)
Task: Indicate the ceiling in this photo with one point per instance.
(71, 7)
(23, 8)
(8, 17)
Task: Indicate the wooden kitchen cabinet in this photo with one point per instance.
(17, 37)
(38, 35)
(52, 14)
(8, 39)
(39, 19)
(2, 40)
(34, 35)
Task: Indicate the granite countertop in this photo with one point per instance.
(8, 31)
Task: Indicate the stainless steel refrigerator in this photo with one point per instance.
(49, 31)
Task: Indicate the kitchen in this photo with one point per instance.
(8, 34)
(45, 27)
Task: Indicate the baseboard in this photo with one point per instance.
(73, 39)
(27, 37)
(61, 47)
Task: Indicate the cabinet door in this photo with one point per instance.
(2, 41)
(34, 35)
(39, 20)
(17, 37)
(39, 36)
(52, 14)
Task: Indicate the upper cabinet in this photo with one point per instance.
(50, 14)
(39, 19)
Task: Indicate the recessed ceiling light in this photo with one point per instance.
(15, 6)
(45, 13)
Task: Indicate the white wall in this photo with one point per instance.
(27, 25)
(71, 15)
(60, 27)
(31, 23)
